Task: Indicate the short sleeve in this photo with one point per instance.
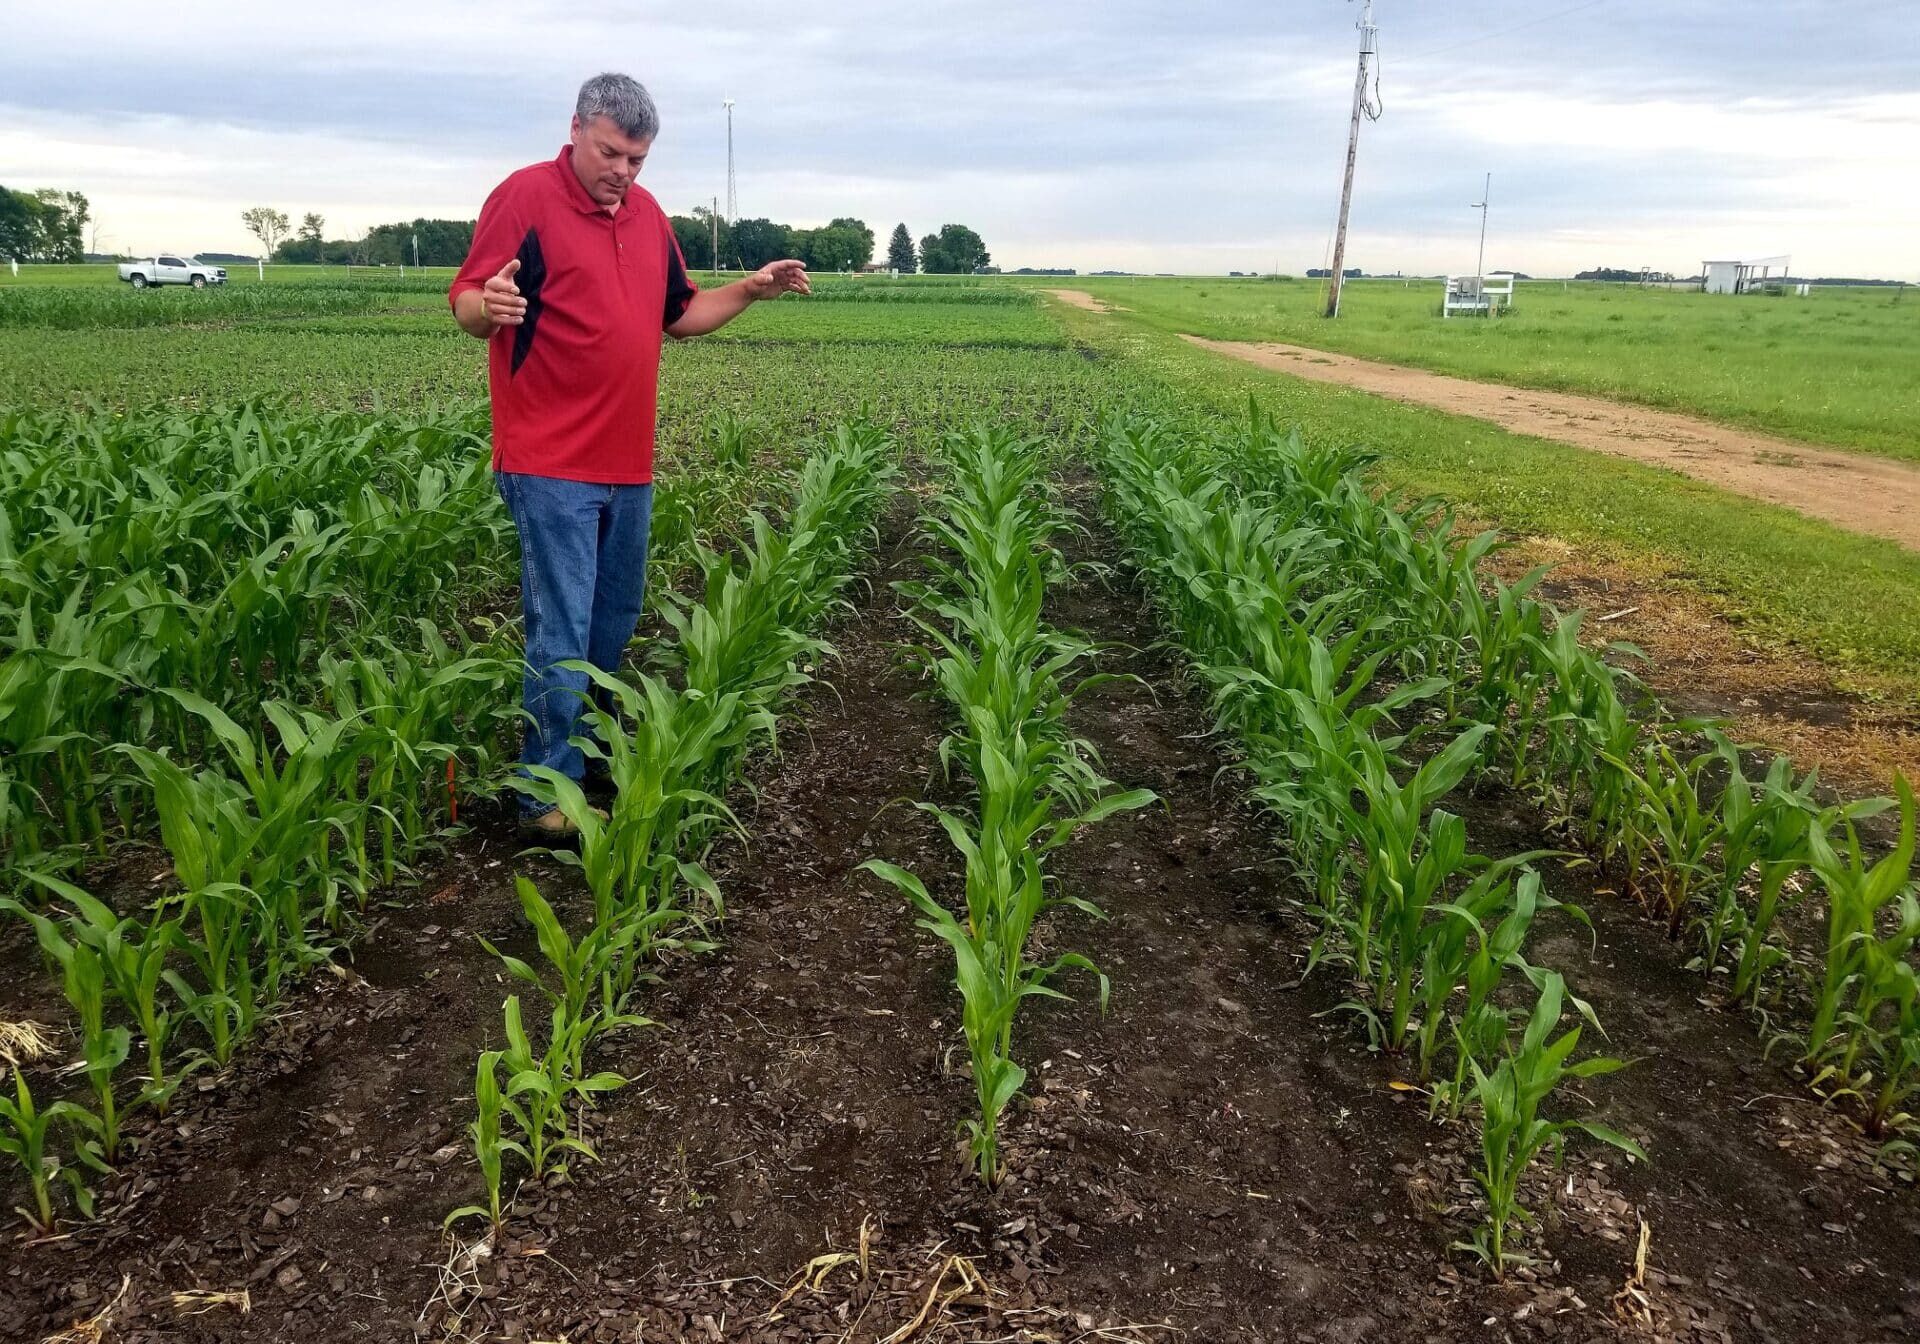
(680, 289)
(496, 241)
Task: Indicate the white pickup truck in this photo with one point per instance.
(167, 269)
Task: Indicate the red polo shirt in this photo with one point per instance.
(574, 386)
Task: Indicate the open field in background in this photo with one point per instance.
(1099, 501)
(1841, 367)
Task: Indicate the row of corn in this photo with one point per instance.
(1007, 678)
(672, 739)
(1369, 667)
(1291, 588)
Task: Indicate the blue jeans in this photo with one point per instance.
(583, 576)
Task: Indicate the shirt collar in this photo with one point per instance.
(570, 184)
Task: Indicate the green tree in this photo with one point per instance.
(695, 233)
(63, 225)
(900, 251)
(308, 240)
(861, 238)
(756, 242)
(843, 245)
(266, 224)
(19, 224)
(955, 250)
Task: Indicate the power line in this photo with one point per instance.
(1502, 32)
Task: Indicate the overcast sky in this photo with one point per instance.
(1167, 136)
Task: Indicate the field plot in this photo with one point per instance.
(1086, 862)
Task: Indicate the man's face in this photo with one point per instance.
(605, 160)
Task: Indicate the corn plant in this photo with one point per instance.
(731, 438)
(1512, 1131)
(1859, 1041)
(1764, 827)
(26, 1127)
(577, 969)
(541, 1086)
(489, 1146)
(1474, 941)
(1003, 674)
(408, 712)
(659, 746)
(133, 955)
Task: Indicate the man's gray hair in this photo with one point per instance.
(622, 101)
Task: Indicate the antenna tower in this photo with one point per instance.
(733, 201)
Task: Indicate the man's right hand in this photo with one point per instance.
(500, 298)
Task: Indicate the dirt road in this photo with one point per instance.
(1859, 492)
(1856, 491)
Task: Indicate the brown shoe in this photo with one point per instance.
(553, 824)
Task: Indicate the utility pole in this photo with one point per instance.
(1486, 198)
(733, 203)
(713, 255)
(1369, 38)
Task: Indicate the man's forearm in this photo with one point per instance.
(470, 311)
(712, 309)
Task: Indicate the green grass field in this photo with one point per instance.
(1841, 367)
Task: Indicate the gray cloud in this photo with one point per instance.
(1124, 119)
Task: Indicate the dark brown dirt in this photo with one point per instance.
(1213, 1159)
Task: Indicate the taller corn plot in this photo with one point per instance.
(1299, 596)
(1008, 679)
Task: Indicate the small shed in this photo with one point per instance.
(1737, 277)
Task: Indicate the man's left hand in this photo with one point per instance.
(777, 278)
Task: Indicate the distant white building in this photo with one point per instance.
(1737, 277)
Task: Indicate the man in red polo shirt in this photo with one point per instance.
(572, 279)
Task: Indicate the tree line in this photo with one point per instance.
(441, 242)
(50, 226)
(44, 225)
(843, 244)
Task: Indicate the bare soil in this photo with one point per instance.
(1079, 298)
(1216, 1158)
(1855, 491)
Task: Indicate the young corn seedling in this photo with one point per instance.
(1860, 896)
(133, 956)
(732, 438)
(578, 970)
(25, 1128)
(1475, 939)
(541, 1085)
(1512, 1131)
(660, 747)
(1764, 830)
(103, 1047)
(489, 1147)
(1672, 828)
(1862, 1042)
